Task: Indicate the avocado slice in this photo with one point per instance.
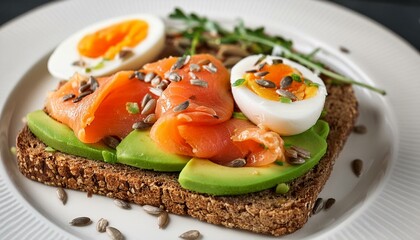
(204, 176)
(139, 150)
(60, 137)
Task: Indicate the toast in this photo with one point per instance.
(261, 212)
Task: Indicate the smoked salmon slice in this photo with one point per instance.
(101, 113)
(195, 115)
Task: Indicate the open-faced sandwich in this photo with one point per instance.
(221, 130)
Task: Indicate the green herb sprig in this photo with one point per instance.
(254, 39)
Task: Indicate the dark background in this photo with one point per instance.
(400, 16)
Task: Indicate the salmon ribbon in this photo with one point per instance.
(194, 115)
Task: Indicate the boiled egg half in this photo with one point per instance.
(277, 93)
(121, 43)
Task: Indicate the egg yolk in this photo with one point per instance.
(109, 41)
(275, 73)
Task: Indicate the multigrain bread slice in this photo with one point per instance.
(261, 212)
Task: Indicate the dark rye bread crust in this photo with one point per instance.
(261, 212)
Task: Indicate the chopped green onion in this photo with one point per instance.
(239, 82)
(132, 107)
(285, 100)
(239, 115)
(296, 77)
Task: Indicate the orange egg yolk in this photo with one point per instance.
(109, 41)
(276, 73)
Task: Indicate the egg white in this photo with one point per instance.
(60, 63)
(283, 118)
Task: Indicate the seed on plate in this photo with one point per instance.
(265, 83)
(122, 204)
(251, 71)
(149, 76)
(194, 67)
(329, 203)
(190, 235)
(150, 119)
(239, 162)
(145, 100)
(344, 50)
(286, 82)
(182, 106)
(261, 66)
(276, 61)
(199, 82)
(114, 233)
(163, 219)
(93, 82)
(296, 161)
(68, 97)
(261, 74)
(210, 68)
(152, 209)
(318, 206)
(111, 141)
(62, 195)
(163, 84)
(80, 221)
(101, 225)
(125, 54)
(180, 62)
(81, 96)
(301, 152)
(285, 93)
(149, 107)
(79, 63)
(141, 125)
(360, 129)
(156, 91)
(357, 167)
(192, 75)
(174, 77)
(260, 59)
(290, 153)
(139, 75)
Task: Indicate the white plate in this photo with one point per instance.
(384, 203)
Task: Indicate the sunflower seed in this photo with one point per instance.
(329, 203)
(163, 219)
(68, 97)
(180, 62)
(261, 66)
(93, 82)
(145, 100)
(79, 63)
(174, 77)
(318, 206)
(155, 81)
(210, 68)
(80, 221)
(198, 82)
(152, 209)
(239, 162)
(291, 153)
(151, 118)
(192, 75)
(162, 85)
(81, 96)
(190, 235)
(114, 233)
(260, 59)
(125, 53)
(139, 75)
(149, 107)
(149, 76)
(84, 87)
(287, 94)
(301, 152)
(261, 74)
(62, 195)
(141, 125)
(276, 61)
(182, 106)
(122, 204)
(194, 67)
(156, 91)
(296, 161)
(101, 225)
(265, 83)
(357, 166)
(360, 129)
(251, 71)
(286, 82)
(111, 141)
(344, 50)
